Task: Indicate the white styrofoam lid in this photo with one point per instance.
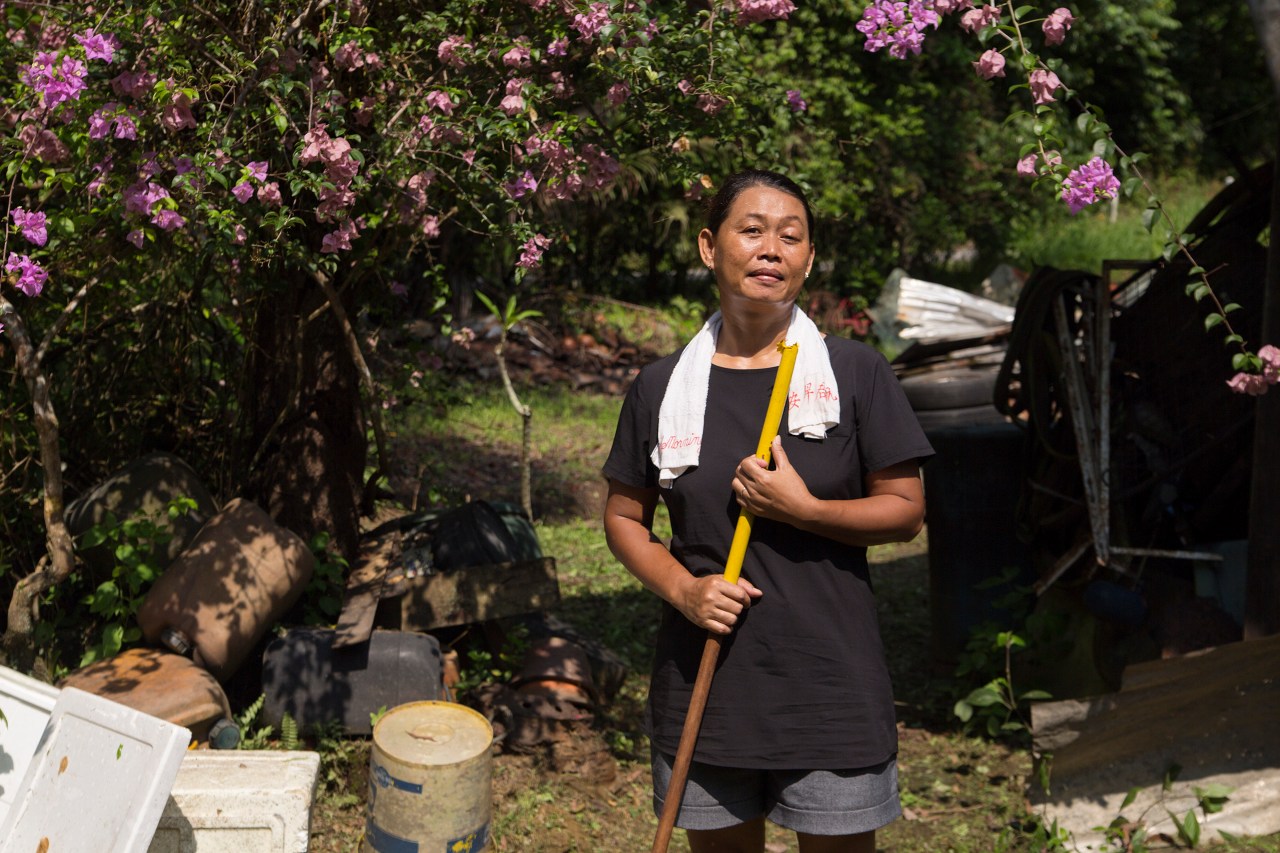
(98, 780)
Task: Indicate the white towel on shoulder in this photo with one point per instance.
(814, 405)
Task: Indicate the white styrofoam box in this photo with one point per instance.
(26, 704)
(98, 780)
(239, 801)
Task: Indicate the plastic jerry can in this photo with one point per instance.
(143, 487)
(164, 685)
(318, 685)
(222, 594)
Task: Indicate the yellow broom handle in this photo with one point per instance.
(772, 420)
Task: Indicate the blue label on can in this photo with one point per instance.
(386, 842)
(386, 780)
(472, 842)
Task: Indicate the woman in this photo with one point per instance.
(799, 726)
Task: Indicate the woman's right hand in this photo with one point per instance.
(713, 603)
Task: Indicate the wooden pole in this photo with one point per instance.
(1262, 583)
(711, 651)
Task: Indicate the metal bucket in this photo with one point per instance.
(430, 781)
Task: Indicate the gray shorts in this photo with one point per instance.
(815, 802)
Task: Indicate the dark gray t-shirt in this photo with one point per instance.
(801, 683)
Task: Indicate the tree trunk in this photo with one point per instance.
(18, 647)
(305, 445)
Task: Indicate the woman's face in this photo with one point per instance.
(762, 252)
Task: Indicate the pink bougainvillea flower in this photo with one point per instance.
(440, 101)
(685, 87)
(1056, 25)
(590, 24)
(976, 20)
(752, 11)
(796, 102)
(559, 47)
(710, 104)
(1027, 166)
(332, 200)
(531, 251)
(1043, 84)
(1089, 183)
(135, 237)
(511, 104)
(946, 7)
(516, 57)
(618, 94)
(469, 157)
(176, 115)
(522, 185)
(398, 288)
(43, 144)
(31, 277)
(1270, 363)
(167, 219)
(100, 121)
(238, 235)
(98, 46)
(269, 194)
(257, 169)
(182, 165)
(243, 191)
(339, 240)
(1252, 384)
(141, 196)
(448, 51)
(349, 57)
(990, 65)
(32, 225)
(898, 25)
(133, 84)
(430, 226)
(55, 82)
(124, 127)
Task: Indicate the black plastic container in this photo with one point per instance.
(972, 488)
(318, 685)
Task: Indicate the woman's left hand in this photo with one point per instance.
(779, 494)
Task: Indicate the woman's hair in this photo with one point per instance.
(739, 182)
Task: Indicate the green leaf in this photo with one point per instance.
(1196, 271)
(1020, 11)
(1029, 61)
(1229, 307)
(1232, 339)
(1190, 829)
(1149, 218)
(1130, 797)
(1131, 186)
(984, 697)
(488, 303)
(1035, 695)
(963, 710)
(282, 123)
(1213, 320)
(1200, 291)
(1171, 775)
